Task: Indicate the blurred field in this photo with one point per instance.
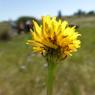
(24, 73)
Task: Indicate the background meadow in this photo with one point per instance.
(23, 72)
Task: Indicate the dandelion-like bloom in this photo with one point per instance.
(54, 38)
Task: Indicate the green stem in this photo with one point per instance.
(51, 69)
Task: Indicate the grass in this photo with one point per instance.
(24, 73)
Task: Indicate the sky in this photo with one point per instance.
(12, 9)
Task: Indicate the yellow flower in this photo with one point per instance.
(54, 38)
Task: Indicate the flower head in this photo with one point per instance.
(54, 38)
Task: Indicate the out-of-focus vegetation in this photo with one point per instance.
(83, 13)
(25, 18)
(4, 31)
(24, 73)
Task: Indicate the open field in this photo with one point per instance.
(24, 73)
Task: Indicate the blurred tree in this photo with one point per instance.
(24, 19)
(80, 13)
(24, 24)
(91, 13)
(59, 16)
